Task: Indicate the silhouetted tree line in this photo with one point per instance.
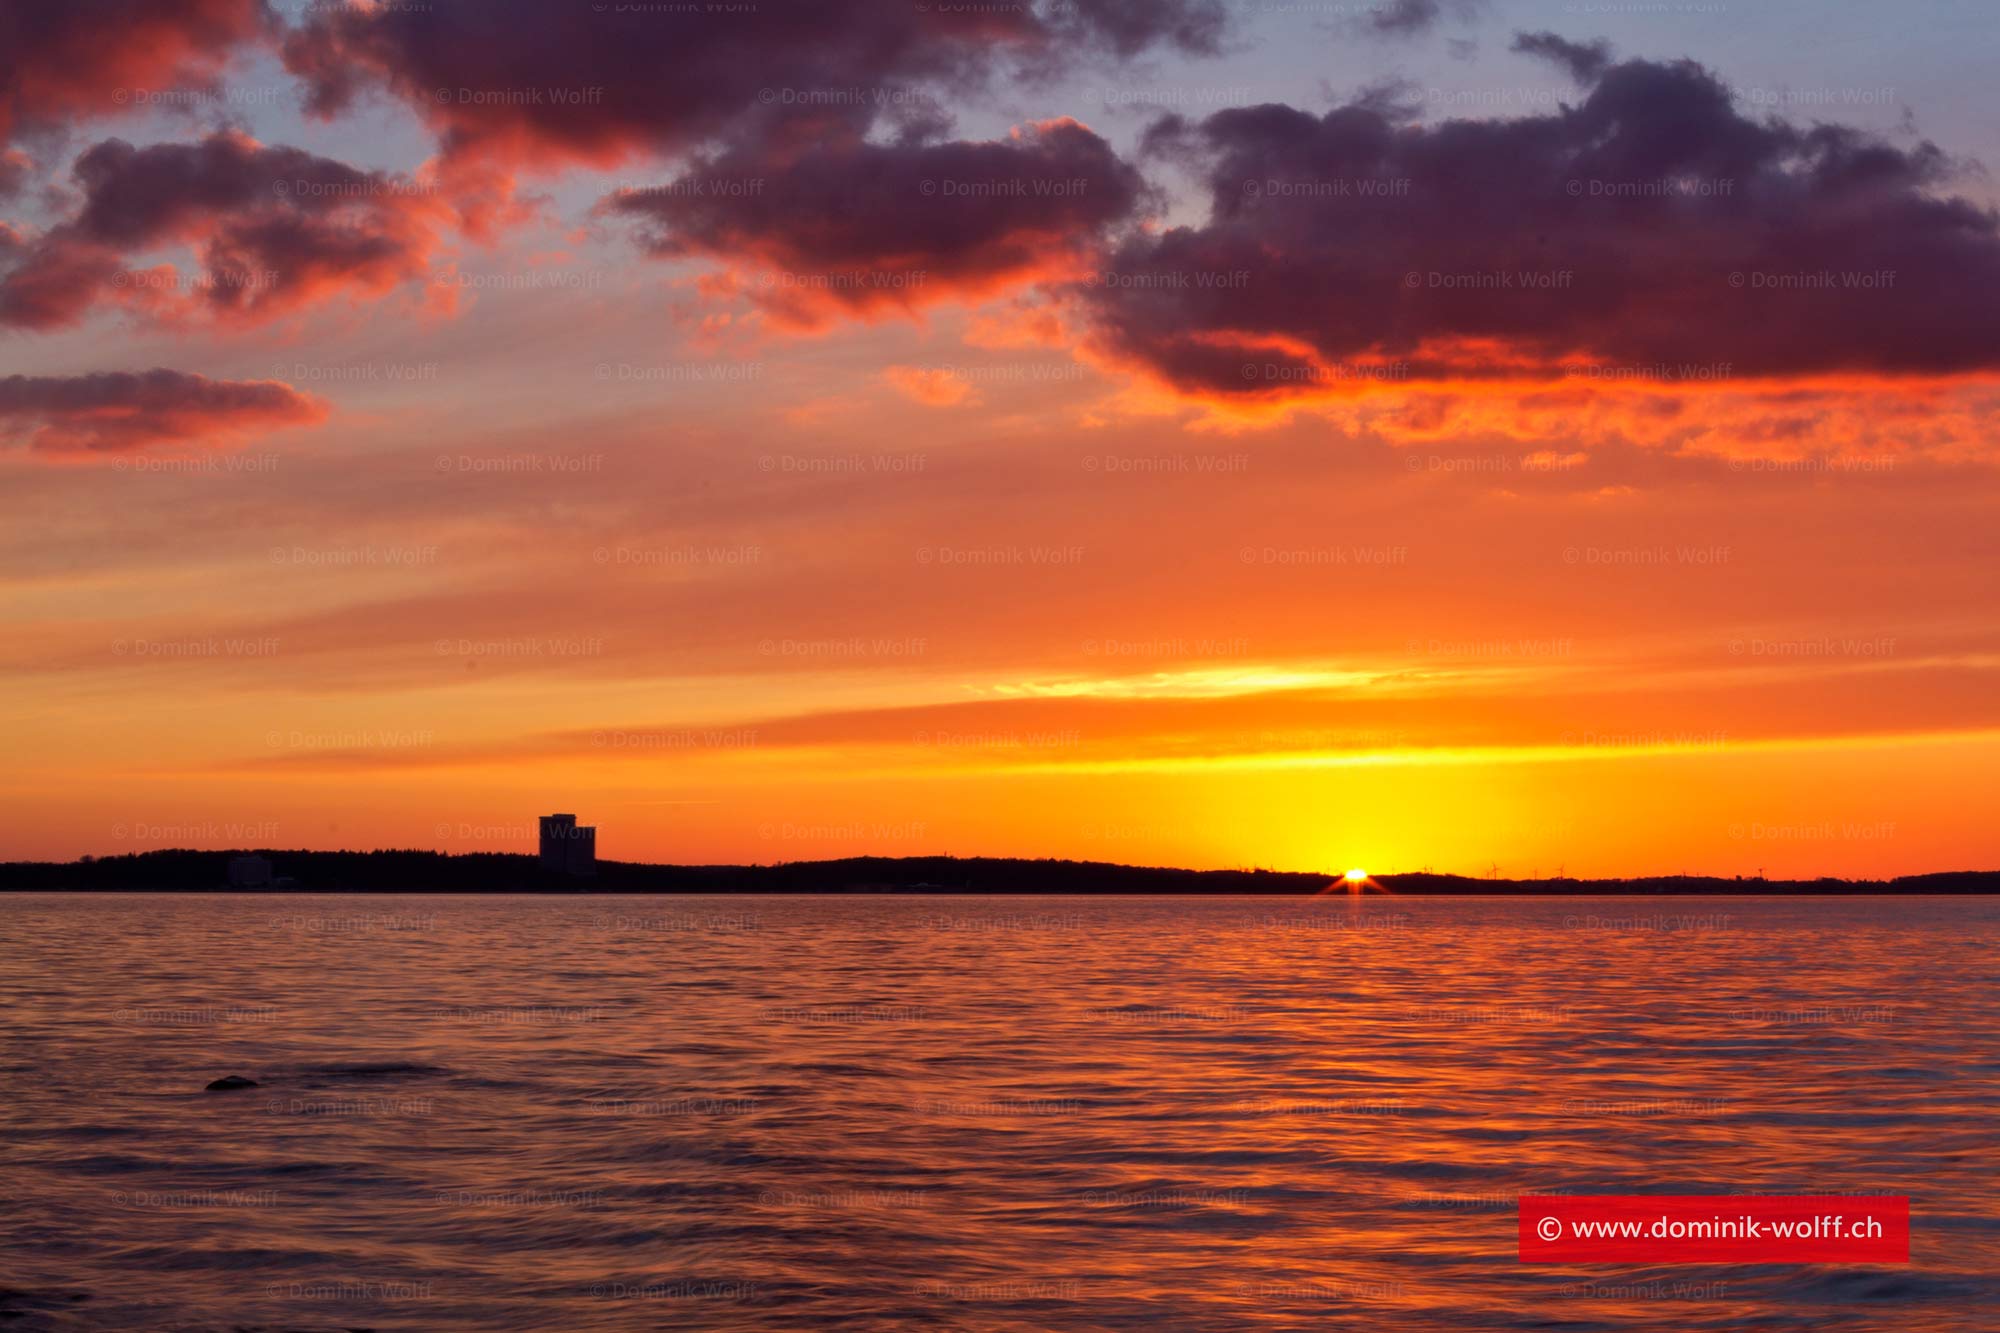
(496, 872)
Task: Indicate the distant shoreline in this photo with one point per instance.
(416, 872)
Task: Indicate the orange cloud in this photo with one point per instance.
(929, 386)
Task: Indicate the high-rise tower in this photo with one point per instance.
(568, 848)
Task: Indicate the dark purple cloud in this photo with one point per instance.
(54, 281)
(1651, 223)
(115, 411)
(1585, 61)
(838, 110)
(67, 60)
(276, 228)
(866, 225)
(530, 82)
(1409, 18)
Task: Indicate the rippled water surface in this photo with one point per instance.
(974, 1113)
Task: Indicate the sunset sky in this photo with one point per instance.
(1306, 435)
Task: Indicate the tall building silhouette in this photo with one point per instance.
(568, 848)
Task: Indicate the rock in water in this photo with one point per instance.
(232, 1083)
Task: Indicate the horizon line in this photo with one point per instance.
(1333, 877)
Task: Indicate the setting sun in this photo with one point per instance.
(1357, 876)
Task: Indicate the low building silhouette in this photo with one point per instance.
(567, 847)
(250, 872)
